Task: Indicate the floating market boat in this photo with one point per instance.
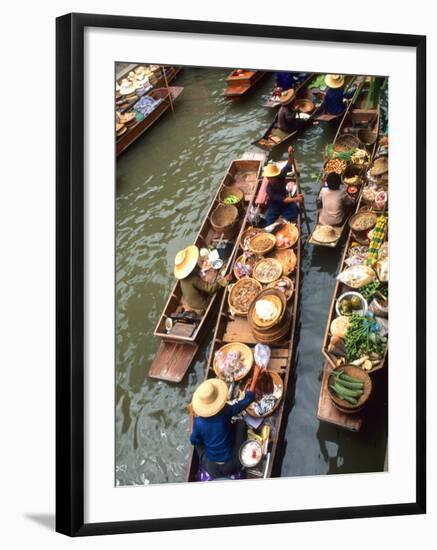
(242, 81)
(358, 129)
(236, 329)
(164, 98)
(309, 98)
(180, 335)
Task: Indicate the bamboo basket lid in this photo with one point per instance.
(267, 270)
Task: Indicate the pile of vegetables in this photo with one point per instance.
(373, 289)
(231, 199)
(362, 337)
(346, 387)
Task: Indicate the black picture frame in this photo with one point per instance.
(70, 272)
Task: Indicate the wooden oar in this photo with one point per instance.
(168, 89)
(304, 210)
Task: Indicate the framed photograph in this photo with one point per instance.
(240, 274)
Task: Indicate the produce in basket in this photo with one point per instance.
(335, 165)
(362, 337)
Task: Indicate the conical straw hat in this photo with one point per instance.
(210, 397)
(185, 261)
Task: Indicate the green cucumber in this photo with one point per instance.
(351, 400)
(349, 378)
(341, 390)
(351, 385)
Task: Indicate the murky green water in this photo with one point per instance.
(165, 182)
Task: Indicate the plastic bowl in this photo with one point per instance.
(361, 311)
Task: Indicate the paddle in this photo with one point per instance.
(304, 210)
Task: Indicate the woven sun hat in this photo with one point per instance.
(286, 97)
(210, 397)
(325, 234)
(334, 80)
(126, 87)
(185, 261)
(380, 167)
(271, 170)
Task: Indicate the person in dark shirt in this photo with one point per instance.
(333, 102)
(289, 79)
(287, 114)
(216, 439)
(280, 202)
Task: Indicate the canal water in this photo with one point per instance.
(165, 182)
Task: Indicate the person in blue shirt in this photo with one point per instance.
(216, 439)
(333, 102)
(289, 79)
(280, 202)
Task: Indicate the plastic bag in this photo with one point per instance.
(357, 276)
(262, 355)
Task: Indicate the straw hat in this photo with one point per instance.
(334, 80)
(185, 261)
(380, 166)
(271, 170)
(325, 234)
(286, 97)
(126, 87)
(210, 397)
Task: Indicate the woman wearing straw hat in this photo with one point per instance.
(286, 115)
(195, 291)
(333, 102)
(281, 197)
(216, 439)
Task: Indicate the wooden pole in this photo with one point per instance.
(304, 210)
(168, 89)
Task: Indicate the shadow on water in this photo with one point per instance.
(164, 186)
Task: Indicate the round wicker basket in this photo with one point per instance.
(246, 358)
(224, 219)
(342, 404)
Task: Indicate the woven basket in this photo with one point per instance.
(342, 404)
(265, 327)
(224, 219)
(367, 137)
(246, 358)
(232, 190)
(231, 296)
(346, 141)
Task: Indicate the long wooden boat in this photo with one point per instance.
(354, 119)
(166, 96)
(230, 328)
(241, 83)
(180, 344)
(274, 137)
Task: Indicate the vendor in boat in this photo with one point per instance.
(216, 439)
(287, 114)
(289, 79)
(333, 102)
(282, 197)
(333, 202)
(196, 292)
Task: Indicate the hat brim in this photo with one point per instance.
(186, 267)
(201, 409)
(333, 83)
(288, 98)
(271, 171)
(323, 238)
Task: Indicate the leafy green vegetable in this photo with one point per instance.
(362, 337)
(372, 289)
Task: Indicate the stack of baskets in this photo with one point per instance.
(274, 330)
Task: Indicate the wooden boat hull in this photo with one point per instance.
(228, 329)
(239, 86)
(177, 350)
(138, 129)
